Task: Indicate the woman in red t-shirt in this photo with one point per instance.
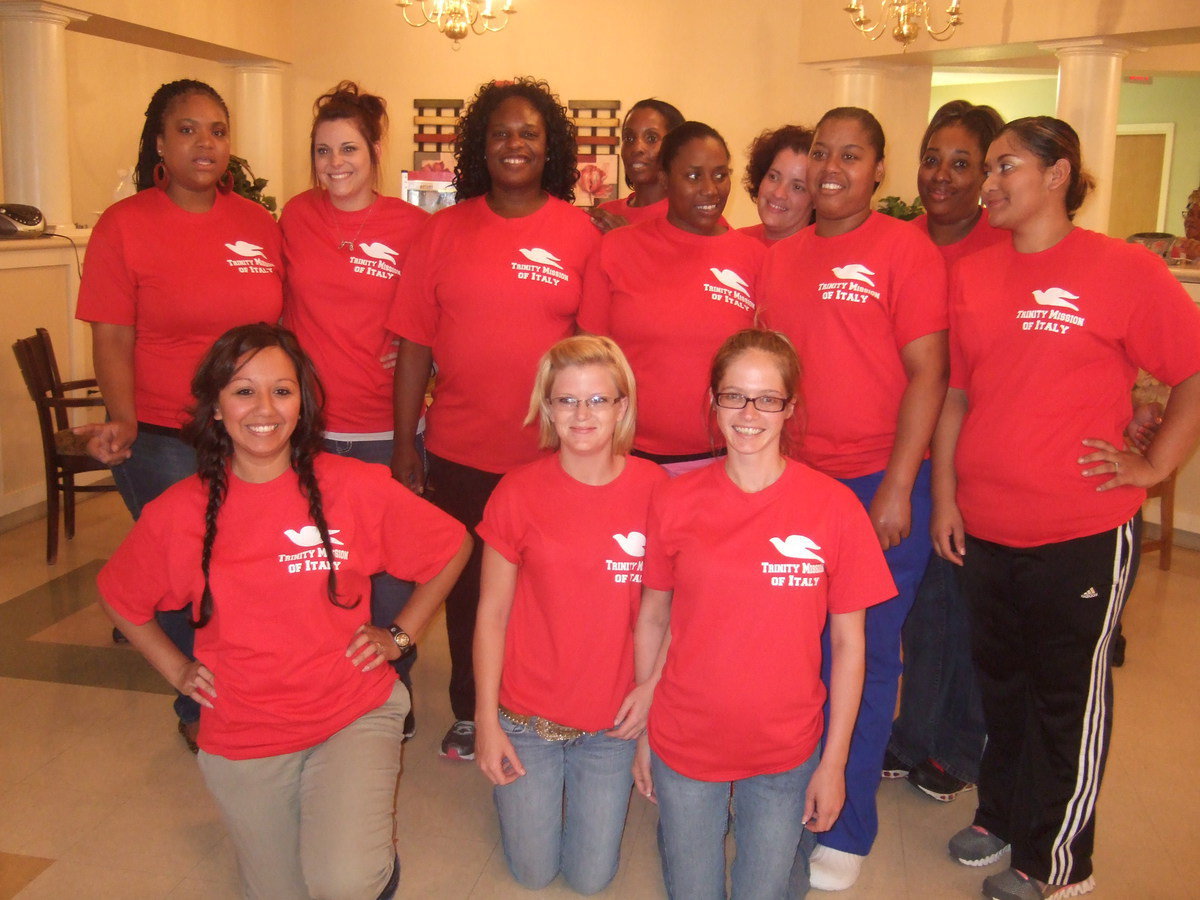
(300, 739)
(1040, 505)
(777, 181)
(168, 271)
(344, 245)
(642, 133)
(491, 284)
(938, 734)
(747, 560)
(670, 290)
(554, 641)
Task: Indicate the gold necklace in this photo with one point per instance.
(337, 233)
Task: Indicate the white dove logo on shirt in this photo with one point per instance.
(634, 543)
(854, 272)
(797, 546)
(1056, 296)
(245, 248)
(730, 279)
(310, 536)
(541, 257)
(379, 250)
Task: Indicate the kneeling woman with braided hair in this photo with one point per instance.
(273, 544)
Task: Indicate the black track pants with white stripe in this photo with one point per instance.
(1042, 622)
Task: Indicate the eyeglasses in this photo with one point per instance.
(765, 403)
(570, 404)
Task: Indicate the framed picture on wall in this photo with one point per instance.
(599, 176)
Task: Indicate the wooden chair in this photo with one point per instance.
(1165, 491)
(64, 453)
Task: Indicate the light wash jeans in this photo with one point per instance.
(693, 817)
(567, 812)
(317, 822)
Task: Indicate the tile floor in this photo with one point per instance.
(99, 798)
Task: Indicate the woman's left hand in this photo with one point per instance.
(631, 717)
(891, 514)
(824, 798)
(372, 646)
(1123, 466)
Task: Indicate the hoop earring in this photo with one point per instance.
(161, 178)
(225, 182)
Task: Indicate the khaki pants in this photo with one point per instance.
(318, 822)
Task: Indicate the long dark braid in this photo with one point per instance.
(156, 113)
(214, 447)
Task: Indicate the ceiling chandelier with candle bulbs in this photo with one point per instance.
(903, 20)
(458, 18)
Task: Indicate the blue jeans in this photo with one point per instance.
(693, 817)
(567, 812)
(157, 462)
(389, 594)
(857, 826)
(941, 716)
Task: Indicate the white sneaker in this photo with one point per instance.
(833, 870)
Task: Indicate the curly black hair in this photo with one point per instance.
(471, 178)
(156, 120)
(214, 448)
(766, 147)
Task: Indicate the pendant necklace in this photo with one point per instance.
(337, 233)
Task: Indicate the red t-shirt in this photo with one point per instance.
(850, 304)
(1047, 346)
(181, 279)
(276, 645)
(490, 295)
(336, 300)
(753, 577)
(670, 298)
(568, 651)
(635, 214)
(759, 233)
(982, 234)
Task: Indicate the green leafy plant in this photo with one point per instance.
(896, 208)
(247, 185)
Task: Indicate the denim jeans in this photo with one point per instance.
(693, 817)
(857, 826)
(156, 463)
(941, 716)
(567, 812)
(388, 593)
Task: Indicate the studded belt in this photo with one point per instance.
(544, 728)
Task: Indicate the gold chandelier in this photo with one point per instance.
(458, 18)
(905, 19)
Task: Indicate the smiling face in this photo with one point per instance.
(641, 139)
(515, 146)
(584, 430)
(342, 161)
(194, 147)
(1018, 189)
(749, 431)
(950, 178)
(784, 203)
(259, 409)
(843, 169)
(698, 186)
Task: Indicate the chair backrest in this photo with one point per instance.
(39, 367)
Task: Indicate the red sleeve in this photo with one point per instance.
(1164, 327)
(596, 300)
(414, 314)
(418, 539)
(136, 580)
(108, 292)
(658, 573)
(860, 577)
(501, 526)
(958, 363)
(921, 279)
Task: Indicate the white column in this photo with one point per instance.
(1089, 95)
(33, 60)
(258, 122)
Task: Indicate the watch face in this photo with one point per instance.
(400, 636)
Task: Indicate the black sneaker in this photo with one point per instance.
(459, 742)
(932, 779)
(893, 767)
